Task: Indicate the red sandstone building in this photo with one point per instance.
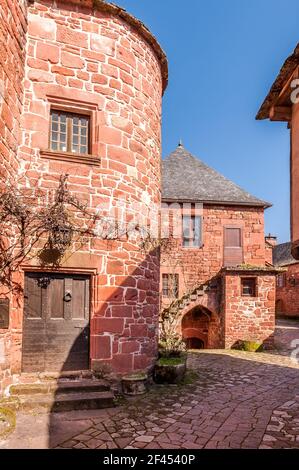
(287, 290)
(81, 89)
(82, 83)
(218, 273)
(282, 104)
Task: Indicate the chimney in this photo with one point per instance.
(271, 240)
(270, 243)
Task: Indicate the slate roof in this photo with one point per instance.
(282, 255)
(185, 178)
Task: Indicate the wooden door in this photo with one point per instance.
(233, 246)
(56, 322)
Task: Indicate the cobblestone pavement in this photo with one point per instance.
(235, 400)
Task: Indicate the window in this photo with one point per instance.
(249, 287)
(232, 237)
(191, 231)
(170, 285)
(281, 280)
(233, 246)
(69, 132)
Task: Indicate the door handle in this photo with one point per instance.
(67, 296)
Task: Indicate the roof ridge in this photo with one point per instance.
(169, 164)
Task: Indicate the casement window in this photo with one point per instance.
(249, 287)
(192, 231)
(281, 280)
(233, 246)
(170, 285)
(69, 132)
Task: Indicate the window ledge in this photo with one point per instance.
(91, 160)
(195, 248)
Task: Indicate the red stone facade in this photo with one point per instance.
(282, 104)
(196, 266)
(249, 319)
(93, 59)
(287, 292)
(102, 62)
(215, 312)
(13, 26)
(294, 125)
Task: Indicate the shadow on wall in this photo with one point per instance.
(123, 338)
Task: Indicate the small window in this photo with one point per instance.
(170, 285)
(191, 231)
(69, 132)
(249, 287)
(232, 237)
(281, 280)
(233, 246)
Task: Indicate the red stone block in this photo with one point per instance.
(71, 60)
(130, 346)
(131, 294)
(107, 325)
(142, 362)
(123, 362)
(47, 52)
(112, 294)
(100, 347)
(139, 331)
(122, 311)
(71, 36)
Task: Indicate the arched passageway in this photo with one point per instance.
(195, 328)
(194, 343)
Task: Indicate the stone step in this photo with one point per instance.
(200, 292)
(67, 401)
(63, 386)
(31, 377)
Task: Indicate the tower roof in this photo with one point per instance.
(188, 179)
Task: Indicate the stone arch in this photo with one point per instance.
(196, 326)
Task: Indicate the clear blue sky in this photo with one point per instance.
(223, 57)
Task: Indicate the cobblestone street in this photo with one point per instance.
(235, 400)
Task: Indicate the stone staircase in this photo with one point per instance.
(63, 394)
(186, 299)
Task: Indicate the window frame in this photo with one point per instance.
(83, 104)
(166, 291)
(283, 278)
(234, 248)
(69, 130)
(249, 278)
(192, 228)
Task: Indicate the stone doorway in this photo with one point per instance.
(195, 328)
(56, 322)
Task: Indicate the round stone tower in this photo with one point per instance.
(94, 66)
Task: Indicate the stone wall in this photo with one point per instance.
(249, 318)
(99, 60)
(232, 317)
(287, 297)
(198, 265)
(13, 26)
